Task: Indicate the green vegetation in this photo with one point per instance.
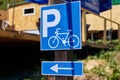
(3, 3)
(109, 69)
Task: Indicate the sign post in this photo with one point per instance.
(61, 55)
(61, 31)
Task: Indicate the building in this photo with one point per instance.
(24, 16)
(99, 24)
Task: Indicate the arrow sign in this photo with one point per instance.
(62, 68)
(56, 68)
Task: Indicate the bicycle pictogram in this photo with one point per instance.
(71, 40)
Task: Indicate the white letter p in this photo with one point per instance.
(53, 23)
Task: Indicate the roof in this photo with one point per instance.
(3, 15)
(20, 3)
(97, 23)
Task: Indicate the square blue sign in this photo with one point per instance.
(61, 27)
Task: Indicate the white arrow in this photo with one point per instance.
(55, 68)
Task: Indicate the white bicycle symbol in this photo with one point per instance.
(72, 40)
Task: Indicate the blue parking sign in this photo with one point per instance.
(61, 26)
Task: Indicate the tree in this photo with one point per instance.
(3, 3)
(115, 2)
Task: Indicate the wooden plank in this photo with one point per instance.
(97, 45)
(119, 33)
(92, 37)
(104, 33)
(84, 35)
(18, 35)
(99, 15)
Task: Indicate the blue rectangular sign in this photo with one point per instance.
(61, 26)
(105, 5)
(92, 5)
(38, 1)
(62, 68)
(95, 6)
